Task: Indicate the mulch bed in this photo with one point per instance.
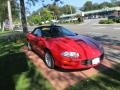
(61, 79)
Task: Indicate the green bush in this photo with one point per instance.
(117, 20)
(106, 21)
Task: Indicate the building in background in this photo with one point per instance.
(101, 13)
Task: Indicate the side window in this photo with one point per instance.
(56, 32)
(37, 32)
(66, 32)
(46, 31)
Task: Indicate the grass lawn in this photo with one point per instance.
(1, 33)
(106, 80)
(16, 71)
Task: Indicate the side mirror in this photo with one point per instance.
(35, 34)
(76, 33)
(42, 38)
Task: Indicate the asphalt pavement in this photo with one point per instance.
(106, 34)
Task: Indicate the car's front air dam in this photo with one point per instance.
(79, 64)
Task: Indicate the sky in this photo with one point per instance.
(76, 3)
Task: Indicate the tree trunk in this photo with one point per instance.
(2, 25)
(23, 16)
(10, 14)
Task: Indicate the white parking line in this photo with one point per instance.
(94, 33)
(99, 27)
(116, 28)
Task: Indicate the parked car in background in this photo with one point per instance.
(115, 18)
(112, 17)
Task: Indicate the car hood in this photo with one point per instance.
(84, 45)
(87, 40)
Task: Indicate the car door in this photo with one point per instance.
(38, 41)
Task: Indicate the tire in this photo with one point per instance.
(29, 46)
(49, 61)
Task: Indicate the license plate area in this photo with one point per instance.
(96, 61)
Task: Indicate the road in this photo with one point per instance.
(91, 27)
(106, 34)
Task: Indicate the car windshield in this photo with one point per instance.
(61, 31)
(66, 32)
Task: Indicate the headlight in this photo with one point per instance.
(70, 54)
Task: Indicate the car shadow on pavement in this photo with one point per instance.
(110, 72)
(111, 75)
(69, 70)
(105, 40)
(11, 64)
(111, 47)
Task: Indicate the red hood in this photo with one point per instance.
(86, 46)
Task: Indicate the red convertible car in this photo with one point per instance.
(65, 49)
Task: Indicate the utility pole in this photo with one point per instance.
(10, 14)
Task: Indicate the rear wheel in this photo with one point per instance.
(49, 60)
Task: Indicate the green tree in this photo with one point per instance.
(105, 4)
(3, 11)
(94, 6)
(45, 14)
(115, 2)
(68, 9)
(87, 6)
(34, 19)
(55, 10)
(23, 12)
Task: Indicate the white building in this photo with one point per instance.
(105, 12)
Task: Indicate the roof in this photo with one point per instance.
(91, 12)
(103, 10)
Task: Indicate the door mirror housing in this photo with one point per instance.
(42, 38)
(76, 34)
(35, 34)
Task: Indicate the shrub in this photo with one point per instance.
(109, 21)
(117, 20)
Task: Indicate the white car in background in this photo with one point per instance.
(55, 21)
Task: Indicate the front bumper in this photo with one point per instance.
(79, 64)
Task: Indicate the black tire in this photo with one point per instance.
(49, 61)
(29, 46)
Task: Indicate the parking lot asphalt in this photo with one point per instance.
(92, 27)
(106, 34)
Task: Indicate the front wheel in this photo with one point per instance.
(49, 60)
